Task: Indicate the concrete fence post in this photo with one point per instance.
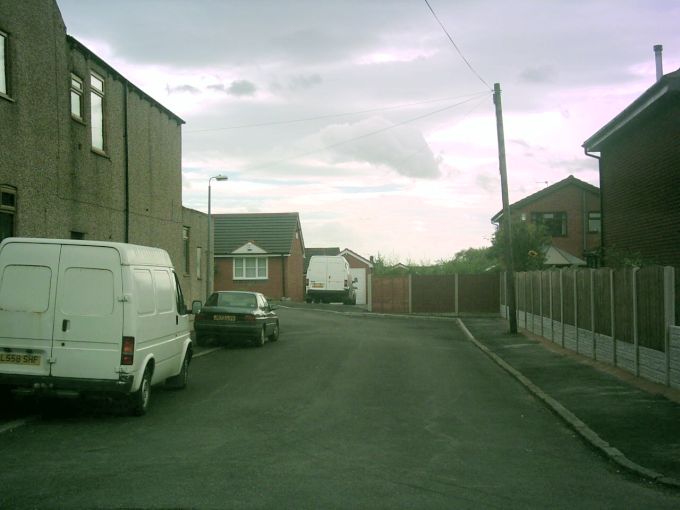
(369, 292)
(592, 311)
(612, 312)
(636, 344)
(410, 293)
(550, 302)
(540, 298)
(562, 305)
(531, 306)
(575, 290)
(669, 298)
(456, 290)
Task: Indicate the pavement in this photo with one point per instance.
(632, 422)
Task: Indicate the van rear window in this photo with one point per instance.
(25, 288)
(87, 292)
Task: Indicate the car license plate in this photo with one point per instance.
(230, 318)
(19, 358)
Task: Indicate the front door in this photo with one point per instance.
(88, 322)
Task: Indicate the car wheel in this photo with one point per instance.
(141, 399)
(180, 381)
(260, 338)
(275, 334)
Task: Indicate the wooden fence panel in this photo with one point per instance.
(603, 302)
(520, 284)
(536, 292)
(569, 276)
(433, 293)
(545, 293)
(584, 298)
(390, 294)
(478, 293)
(623, 304)
(651, 324)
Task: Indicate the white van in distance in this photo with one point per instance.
(329, 280)
(88, 317)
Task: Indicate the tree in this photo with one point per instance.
(471, 261)
(529, 241)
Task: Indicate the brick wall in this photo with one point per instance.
(640, 172)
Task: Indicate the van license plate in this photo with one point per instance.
(15, 358)
(317, 285)
(231, 318)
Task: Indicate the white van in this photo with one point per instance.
(329, 280)
(87, 317)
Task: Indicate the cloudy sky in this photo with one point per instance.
(362, 115)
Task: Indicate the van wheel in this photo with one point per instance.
(261, 338)
(275, 334)
(180, 381)
(140, 399)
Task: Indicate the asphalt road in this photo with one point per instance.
(345, 411)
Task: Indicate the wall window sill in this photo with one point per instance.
(100, 153)
(7, 98)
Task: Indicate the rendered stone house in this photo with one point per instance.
(260, 252)
(85, 153)
(639, 159)
(570, 210)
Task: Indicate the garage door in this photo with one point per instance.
(360, 275)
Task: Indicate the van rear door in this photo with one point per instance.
(28, 282)
(88, 320)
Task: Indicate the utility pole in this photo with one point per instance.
(509, 262)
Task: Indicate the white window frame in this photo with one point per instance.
(97, 93)
(77, 89)
(4, 64)
(239, 268)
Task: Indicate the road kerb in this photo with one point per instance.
(574, 422)
(6, 427)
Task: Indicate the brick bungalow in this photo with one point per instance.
(260, 252)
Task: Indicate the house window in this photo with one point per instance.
(594, 222)
(555, 222)
(97, 111)
(76, 97)
(185, 242)
(3, 63)
(8, 208)
(250, 268)
(199, 258)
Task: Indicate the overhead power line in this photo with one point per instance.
(332, 115)
(456, 46)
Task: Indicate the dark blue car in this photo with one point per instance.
(236, 315)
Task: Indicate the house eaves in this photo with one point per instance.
(669, 84)
(89, 54)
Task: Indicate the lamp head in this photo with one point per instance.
(221, 178)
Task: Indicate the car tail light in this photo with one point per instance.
(249, 317)
(127, 354)
(201, 317)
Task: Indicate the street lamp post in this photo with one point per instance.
(211, 259)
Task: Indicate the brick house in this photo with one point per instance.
(570, 210)
(85, 153)
(639, 158)
(260, 252)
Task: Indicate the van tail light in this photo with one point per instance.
(127, 354)
(345, 283)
